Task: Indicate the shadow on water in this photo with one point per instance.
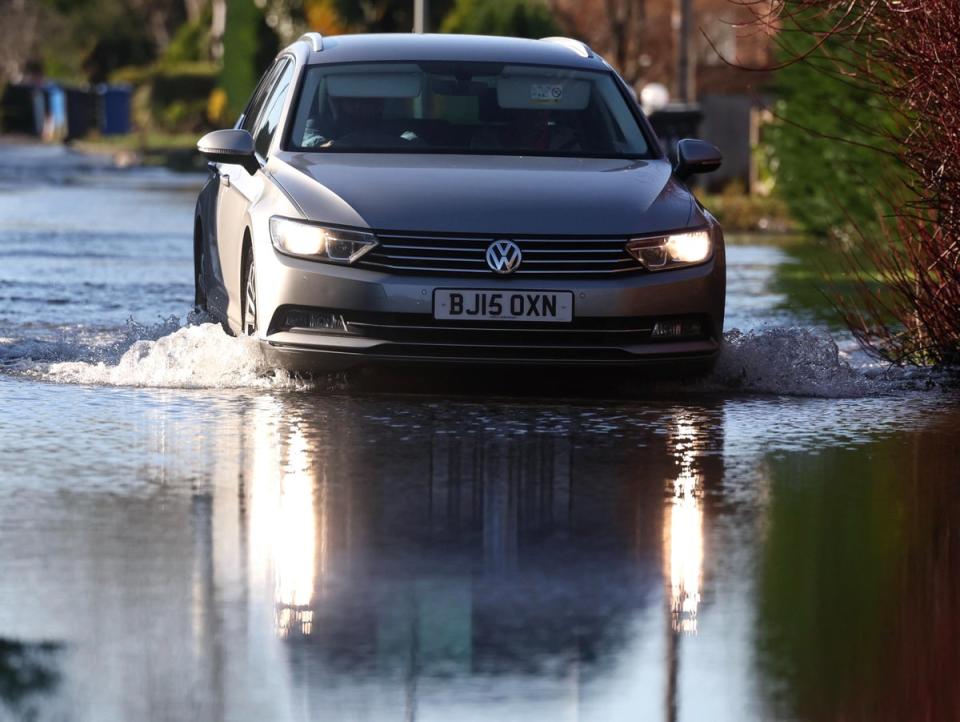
(535, 382)
(27, 672)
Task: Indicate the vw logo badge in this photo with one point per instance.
(504, 257)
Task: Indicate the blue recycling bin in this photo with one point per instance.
(114, 109)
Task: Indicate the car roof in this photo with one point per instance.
(479, 48)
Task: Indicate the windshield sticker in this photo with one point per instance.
(541, 93)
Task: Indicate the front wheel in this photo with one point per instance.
(199, 294)
(250, 302)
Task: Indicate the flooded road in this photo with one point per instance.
(184, 536)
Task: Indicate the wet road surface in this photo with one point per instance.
(184, 536)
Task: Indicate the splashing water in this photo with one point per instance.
(191, 357)
(168, 354)
(789, 361)
(805, 362)
(198, 354)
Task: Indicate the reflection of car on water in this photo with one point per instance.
(456, 198)
(472, 541)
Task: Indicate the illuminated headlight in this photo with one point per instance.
(318, 243)
(679, 249)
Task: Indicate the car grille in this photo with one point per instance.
(466, 255)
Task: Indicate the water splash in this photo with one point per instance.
(790, 361)
(198, 354)
(805, 362)
(169, 354)
(79, 343)
(195, 356)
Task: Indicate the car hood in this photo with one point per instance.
(486, 194)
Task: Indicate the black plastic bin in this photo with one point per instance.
(19, 109)
(674, 123)
(81, 112)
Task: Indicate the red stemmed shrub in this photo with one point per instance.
(906, 55)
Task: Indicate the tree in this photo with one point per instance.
(239, 74)
(382, 16)
(519, 18)
(615, 29)
(18, 36)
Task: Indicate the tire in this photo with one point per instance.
(249, 312)
(199, 297)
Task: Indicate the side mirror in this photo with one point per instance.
(696, 156)
(234, 146)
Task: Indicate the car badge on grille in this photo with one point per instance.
(504, 257)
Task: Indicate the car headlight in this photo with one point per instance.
(318, 243)
(673, 251)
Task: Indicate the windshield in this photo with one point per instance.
(463, 107)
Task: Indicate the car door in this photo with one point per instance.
(239, 190)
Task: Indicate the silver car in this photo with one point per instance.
(442, 198)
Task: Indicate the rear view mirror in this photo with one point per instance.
(234, 146)
(696, 156)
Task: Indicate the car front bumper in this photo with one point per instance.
(387, 318)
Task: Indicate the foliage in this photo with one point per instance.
(827, 185)
(239, 74)
(18, 33)
(899, 61)
(378, 16)
(170, 97)
(738, 210)
(191, 42)
(519, 18)
(92, 38)
(322, 16)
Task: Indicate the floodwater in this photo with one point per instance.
(185, 536)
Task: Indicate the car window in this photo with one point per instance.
(250, 113)
(465, 107)
(270, 117)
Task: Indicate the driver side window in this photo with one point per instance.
(250, 113)
(270, 116)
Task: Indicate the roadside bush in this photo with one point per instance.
(171, 97)
(829, 186)
(898, 60)
(191, 43)
(739, 211)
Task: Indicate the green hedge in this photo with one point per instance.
(171, 97)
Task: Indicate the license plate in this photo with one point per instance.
(555, 306)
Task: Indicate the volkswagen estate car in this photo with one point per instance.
(459, 199)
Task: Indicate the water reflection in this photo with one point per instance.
(683, 535)
(298, 523)
(27, 672)
(858, 591)
(297, 557)
(402, 551)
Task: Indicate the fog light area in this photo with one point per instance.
(677, 328)
(315, 320)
